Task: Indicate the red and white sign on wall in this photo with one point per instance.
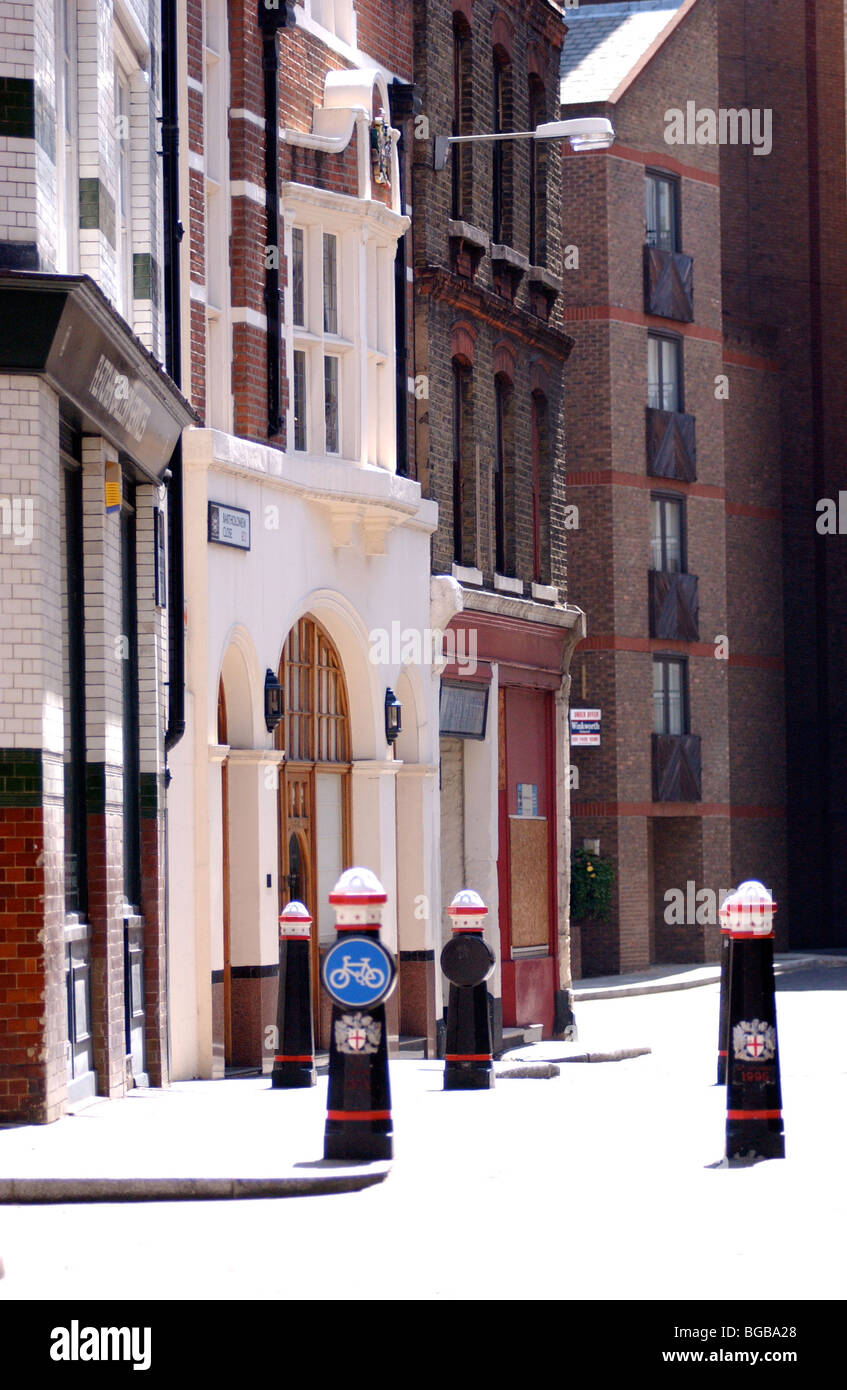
(585, 728)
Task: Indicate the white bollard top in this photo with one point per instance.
(295, 920)
(467, 911)
(358, 898)
(749, 910)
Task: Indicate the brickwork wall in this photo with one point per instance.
(609, 556)
(501, 326)
(783, 280)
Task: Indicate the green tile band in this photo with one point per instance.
(21, 780)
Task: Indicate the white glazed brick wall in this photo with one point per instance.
(152, 634)
(27, 174)
(16, 40)
(30, 569)
(101, 538)
(97, 133)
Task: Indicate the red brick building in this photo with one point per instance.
(704, 397)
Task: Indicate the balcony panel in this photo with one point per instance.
(668, 284)
(671, 445)
(677, 772)
(674, 607)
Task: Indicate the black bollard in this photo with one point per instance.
(294, 1058)
(723, 1007)
(468, 961)
(754, 1099)
(358, 974)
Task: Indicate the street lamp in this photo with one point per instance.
(584, 133)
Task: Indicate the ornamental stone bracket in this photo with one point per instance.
(353, 98)
(375, 525)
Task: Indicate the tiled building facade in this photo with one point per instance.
(89, 421)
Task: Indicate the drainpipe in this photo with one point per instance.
(404, 103)
(173, 365)
(271, 18)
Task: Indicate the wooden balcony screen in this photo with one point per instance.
(668, 284)
(671, 445)
(674, 606)
(676, 767)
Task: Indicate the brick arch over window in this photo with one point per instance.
(463, 11)
(539, 378)
(462, 341)
(536, 61)
(503, 36)
(504, 361)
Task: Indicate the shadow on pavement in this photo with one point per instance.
(828, 977)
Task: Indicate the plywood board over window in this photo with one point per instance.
(529, 882)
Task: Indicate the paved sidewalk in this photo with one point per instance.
(196, 1139)
(238, 1138)
(665, 977)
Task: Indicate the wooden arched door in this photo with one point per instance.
(314, 811)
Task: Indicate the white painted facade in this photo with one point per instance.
(336, 535)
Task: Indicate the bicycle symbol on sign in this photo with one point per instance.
(362, 972)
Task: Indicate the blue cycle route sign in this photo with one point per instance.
(358, 971)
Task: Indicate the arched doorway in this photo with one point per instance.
(314, 812)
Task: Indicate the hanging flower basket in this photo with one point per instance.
(591, 886)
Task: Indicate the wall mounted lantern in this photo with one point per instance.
(393, 716)
(273, 700)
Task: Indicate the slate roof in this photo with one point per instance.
(605, 42)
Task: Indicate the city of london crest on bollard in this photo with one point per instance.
(358, 974)
(754, 1127)
(468, 961)
(294, 1057)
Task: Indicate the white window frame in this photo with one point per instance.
(335, 16)
(315, 342)
(366, 240)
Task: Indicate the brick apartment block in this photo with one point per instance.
(727, 259)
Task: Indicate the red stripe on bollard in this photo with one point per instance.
(358, 1114)
(285, 1057)
(467, 1056)
(754, 1114)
